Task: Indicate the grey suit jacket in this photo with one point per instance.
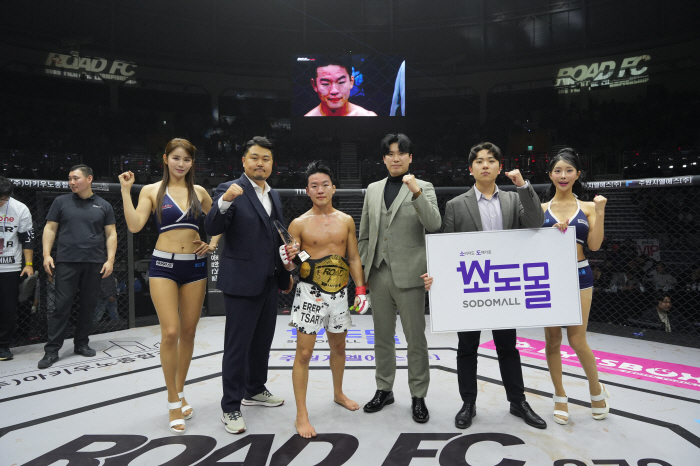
(406, 233)
(520, 209)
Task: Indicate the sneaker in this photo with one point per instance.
(263, 399)
(5, 354)
(233, 422)
(85, 350)
(26, 288)
(48, 360)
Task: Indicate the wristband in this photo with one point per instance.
(29, 263)
(360, 290)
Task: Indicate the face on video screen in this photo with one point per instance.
(333, 84)
(348, 85)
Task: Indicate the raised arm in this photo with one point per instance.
(531, 213)
(427, 208)
(596, 220)
(223, 208)
(136, 217)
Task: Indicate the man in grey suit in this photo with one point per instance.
(396, 214)
(486, 208)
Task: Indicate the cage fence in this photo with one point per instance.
(651, 253)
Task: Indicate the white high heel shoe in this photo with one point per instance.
(181, 395)
(601, 413)
(558, 412)
(176, 422)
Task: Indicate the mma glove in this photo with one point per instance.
(361, 305)
(284, 256)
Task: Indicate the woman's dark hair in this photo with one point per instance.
(569, 156)
(5, 187)
(490, 147)
(192, 200)
(403, 141)
(317, 166)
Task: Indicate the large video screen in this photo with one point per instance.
(348, 85)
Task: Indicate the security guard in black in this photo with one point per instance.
(81, 227)
(80, 256)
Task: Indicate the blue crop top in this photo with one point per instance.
(173, 217)
(579, 221)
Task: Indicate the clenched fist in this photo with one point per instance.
(516, 177)
(232, 192)
(599, 202)
(411, 183)
(127, 179)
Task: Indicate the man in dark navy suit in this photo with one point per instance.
(250, 275)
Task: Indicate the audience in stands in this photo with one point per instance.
(627, 280)
(660, 313)
(660, 279)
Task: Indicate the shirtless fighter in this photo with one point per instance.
(328, 236)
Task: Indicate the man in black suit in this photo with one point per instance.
(250, 275)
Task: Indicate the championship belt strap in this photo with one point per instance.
(330, 273)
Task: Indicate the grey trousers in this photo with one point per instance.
(386, 300)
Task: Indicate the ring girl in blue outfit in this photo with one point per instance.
(178, 271)
(562, 210)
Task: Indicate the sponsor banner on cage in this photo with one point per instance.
(666, 373)
(503, 279)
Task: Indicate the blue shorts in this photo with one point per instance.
(585, 275)
(180, 268)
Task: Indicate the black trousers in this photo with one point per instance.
(71, 277)
(250, 327)
(9, 291)
(508, 361)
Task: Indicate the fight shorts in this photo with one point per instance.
(314, 309)
(180, 268)
(585, 275)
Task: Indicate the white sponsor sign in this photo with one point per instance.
(503, 279)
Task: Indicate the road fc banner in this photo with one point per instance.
(503, 279)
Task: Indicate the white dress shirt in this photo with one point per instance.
(263, 196)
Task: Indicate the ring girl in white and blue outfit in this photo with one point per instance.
(178, 272)
(563, 209)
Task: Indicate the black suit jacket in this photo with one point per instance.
(249, 241)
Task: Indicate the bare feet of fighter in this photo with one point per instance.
(346, 402)
(304, 428)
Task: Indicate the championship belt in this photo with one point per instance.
(330, 273)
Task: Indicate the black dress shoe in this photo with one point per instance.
(419, 410)
(380, 399)
(48, 360)
(84, 350)
(463, 419)
(522, 409)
